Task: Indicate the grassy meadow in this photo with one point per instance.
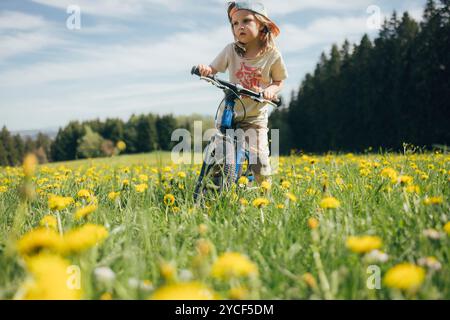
(337, 226)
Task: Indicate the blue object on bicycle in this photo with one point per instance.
(239, 160)
(227, 116)
(227, 120)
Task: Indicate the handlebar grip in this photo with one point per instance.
(278, 102)
(195, 71)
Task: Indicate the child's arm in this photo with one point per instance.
(206, 70)
(270, 93)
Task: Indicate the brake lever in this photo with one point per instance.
(213, 82)
(263, 100)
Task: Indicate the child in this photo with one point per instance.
(253, 61)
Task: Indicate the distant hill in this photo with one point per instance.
(50, 132)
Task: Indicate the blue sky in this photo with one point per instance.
(134, 56)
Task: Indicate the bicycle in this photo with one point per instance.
(225, 155)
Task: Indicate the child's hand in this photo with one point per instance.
(204, 70)
(270, 93)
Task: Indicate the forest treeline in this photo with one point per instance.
(378, 93)
(96, 138)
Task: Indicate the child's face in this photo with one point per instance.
(246, 27)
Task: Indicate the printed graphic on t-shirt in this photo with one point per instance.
(248, 76)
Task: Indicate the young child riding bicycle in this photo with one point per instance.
(253, 61)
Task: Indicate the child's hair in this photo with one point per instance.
(266, 37)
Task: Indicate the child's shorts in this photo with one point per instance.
(257, 141)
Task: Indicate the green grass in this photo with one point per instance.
(153, 158)
(144, 233)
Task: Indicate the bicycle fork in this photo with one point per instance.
(226, 123)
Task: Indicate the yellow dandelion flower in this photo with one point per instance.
(365, 172)
(39, 239)
(266, 186)
(285, 185)
(29, 165)
(3, 189)
(291, 197)
(339, 181)
(84, 193)
(309, 279)
(176, 209)
(329, 203)
(121, 145)
(389, 173)
(168, 271)
(184, 291)
(106, 296)
(405, 180)
(447, 227)
(405, 276)
(143, 178)
(59, 203)
(433, 200)
(140, 188)
(181, 175)
(260, 202)
(84, 237)
(412, 189)
(202, 228)
(169, 199)
(280, 206)
(313, 223)
(85, 211)
(113, 195)
(243, 202)
(238, 293)
(363, 244)
(49, 279)
(49, 221)
(242, 181)
(233, 264)
(204, 247)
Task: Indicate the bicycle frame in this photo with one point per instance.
(228, 122)
(232, 159)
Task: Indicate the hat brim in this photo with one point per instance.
(274, 29)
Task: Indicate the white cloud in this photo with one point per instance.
(178, 52)
(108, 102)
(416, 13)
(279, 8)
(22, 43)
(127, 8)
(322, 31)
(98, 7)
(104, 28)
(14, 20)
(22, 33)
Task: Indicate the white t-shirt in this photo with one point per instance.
(251, 73)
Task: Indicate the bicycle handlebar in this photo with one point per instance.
(237, 88)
